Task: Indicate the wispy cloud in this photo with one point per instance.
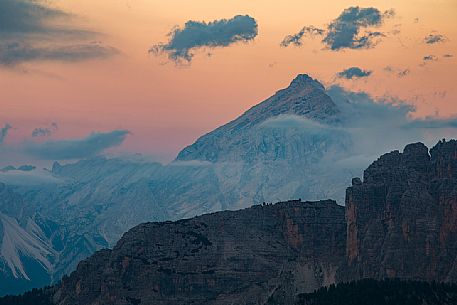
(31, 30)
(89, 146)
(354, 72)
(45, 131)
(297, 39)
(428, 58)
(4, 132)
(435, 38)
(397, 71)
(41, 132)
(196, 34)
(15, 53)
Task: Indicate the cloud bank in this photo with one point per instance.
(31, 30)
(371, 125)
(396, 71)
(32, 177)
(385, 124)
(195, 35)
(92, 145)
(354, 72)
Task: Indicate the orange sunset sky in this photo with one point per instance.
(166, 105)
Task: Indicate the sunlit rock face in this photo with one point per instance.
(402, 220)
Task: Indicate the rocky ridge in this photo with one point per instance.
(402, 219)
(260, 255)
(245, 139)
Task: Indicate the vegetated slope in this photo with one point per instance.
(385, 292)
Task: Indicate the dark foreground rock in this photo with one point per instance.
(261, 255)
(402, 220)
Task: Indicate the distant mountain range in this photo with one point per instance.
(296, 144)
(399, 223)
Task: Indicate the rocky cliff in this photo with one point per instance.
(402, 219)
(260, 255)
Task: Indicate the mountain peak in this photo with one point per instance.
(305, 97)
(304, 81)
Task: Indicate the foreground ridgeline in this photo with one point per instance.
(399, 222)
(249, 256)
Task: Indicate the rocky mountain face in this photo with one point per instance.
(273, 152)
(402, 219)
(247, 138)
(26, 252)
(399, 222)
(299, 143)
(260, 255)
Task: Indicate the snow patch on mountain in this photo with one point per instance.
(18, 242)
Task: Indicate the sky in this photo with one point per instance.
(150, 77)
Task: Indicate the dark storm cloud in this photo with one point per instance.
(354, 72)
(195, 34)
(29, 32)
(92, 145)
(297, 39)
(14, 53)
(346, 30)
(434, 38)
(4, 132)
